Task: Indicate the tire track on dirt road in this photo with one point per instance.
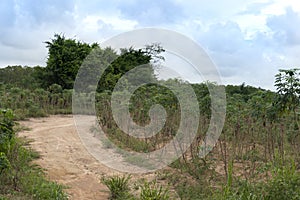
(65, 158)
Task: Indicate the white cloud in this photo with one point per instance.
(285, 27)
(278, 7)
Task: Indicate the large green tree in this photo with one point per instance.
(65, 56)
(126, 61)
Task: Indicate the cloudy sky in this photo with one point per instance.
(247, 40)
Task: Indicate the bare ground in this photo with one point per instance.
(65, 158)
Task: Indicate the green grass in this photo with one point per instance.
(151, 191)
(19, 177)
(25, 179)
(118, 186)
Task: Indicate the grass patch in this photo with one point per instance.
(19, 177)
(22, 178)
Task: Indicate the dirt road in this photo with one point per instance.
(65, 158)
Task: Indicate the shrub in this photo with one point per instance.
(118, 186)
(4, 162)
(150, 191)
(285, 185)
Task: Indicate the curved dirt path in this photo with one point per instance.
(65, 158)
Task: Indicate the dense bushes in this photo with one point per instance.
(284, 185)
(35, 103)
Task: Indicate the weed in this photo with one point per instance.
(150, 191)
(118, 186)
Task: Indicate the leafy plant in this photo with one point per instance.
(288, 87)
(118, 186)
(150, 191)
(4, 162)
(285, 185)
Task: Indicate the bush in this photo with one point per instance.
(150, 191)
(6, 129)
(4, 162)
(6, 134)
(118, 186)
(285, 185)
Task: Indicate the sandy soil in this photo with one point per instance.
(65, 158)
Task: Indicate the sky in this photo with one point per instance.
(247, 40)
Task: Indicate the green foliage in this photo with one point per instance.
(191, 191)
(129, 59)
(17, 174)
(288, 88)
(22, 77)
(228, 187)
(252, 136)
(285, 185)
(187, 187)
(55, 89)
(4, 162)
(245, 90)
(118, 186)
(150, 191)
(36, 185)
(36, 103)
(120, 189)
(6, 129)
(65, 58)
(6, 135)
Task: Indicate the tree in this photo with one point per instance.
(288, 89)
(65, 56)
(129, 59)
